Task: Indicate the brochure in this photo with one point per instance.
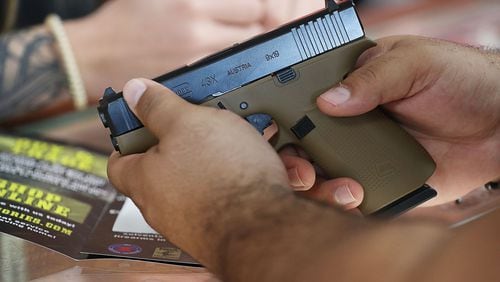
(58, 196)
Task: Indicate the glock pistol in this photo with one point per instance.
(280, 74)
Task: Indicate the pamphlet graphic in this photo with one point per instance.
(65, 157)
(125, 249)
(58, 196)
(42, 200)
(122, 231)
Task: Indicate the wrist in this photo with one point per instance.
(280, 232)
(23, 98)
(73, 77)
(89, 53)
(223, 234)
(203, 223)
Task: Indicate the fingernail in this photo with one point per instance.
(336, 96)
(294, 178)
(343, 196)
(133, 91)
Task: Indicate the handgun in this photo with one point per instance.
(279, 75)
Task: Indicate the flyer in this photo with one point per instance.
(131, 236)
(58, 196)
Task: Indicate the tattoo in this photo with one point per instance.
(30, 75)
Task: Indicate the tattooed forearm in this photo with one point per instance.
(31, 77)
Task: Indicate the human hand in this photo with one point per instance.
(215, 188)
(130, 38)
(444, 94)
(206, 159)
(311, 182)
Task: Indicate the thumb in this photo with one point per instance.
(384, 76)
(154, 104)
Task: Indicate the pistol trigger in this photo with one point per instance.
(260, 121)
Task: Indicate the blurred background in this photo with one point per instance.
(475, 22)
(465, 21)
(470, 22)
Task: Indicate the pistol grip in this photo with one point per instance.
(371, 149)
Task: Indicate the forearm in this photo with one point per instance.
(257, 235)
(265, 244)
(271, 235)
(284, 240)
(32, 81)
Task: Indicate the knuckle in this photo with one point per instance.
(366, 75)
(366, 83)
